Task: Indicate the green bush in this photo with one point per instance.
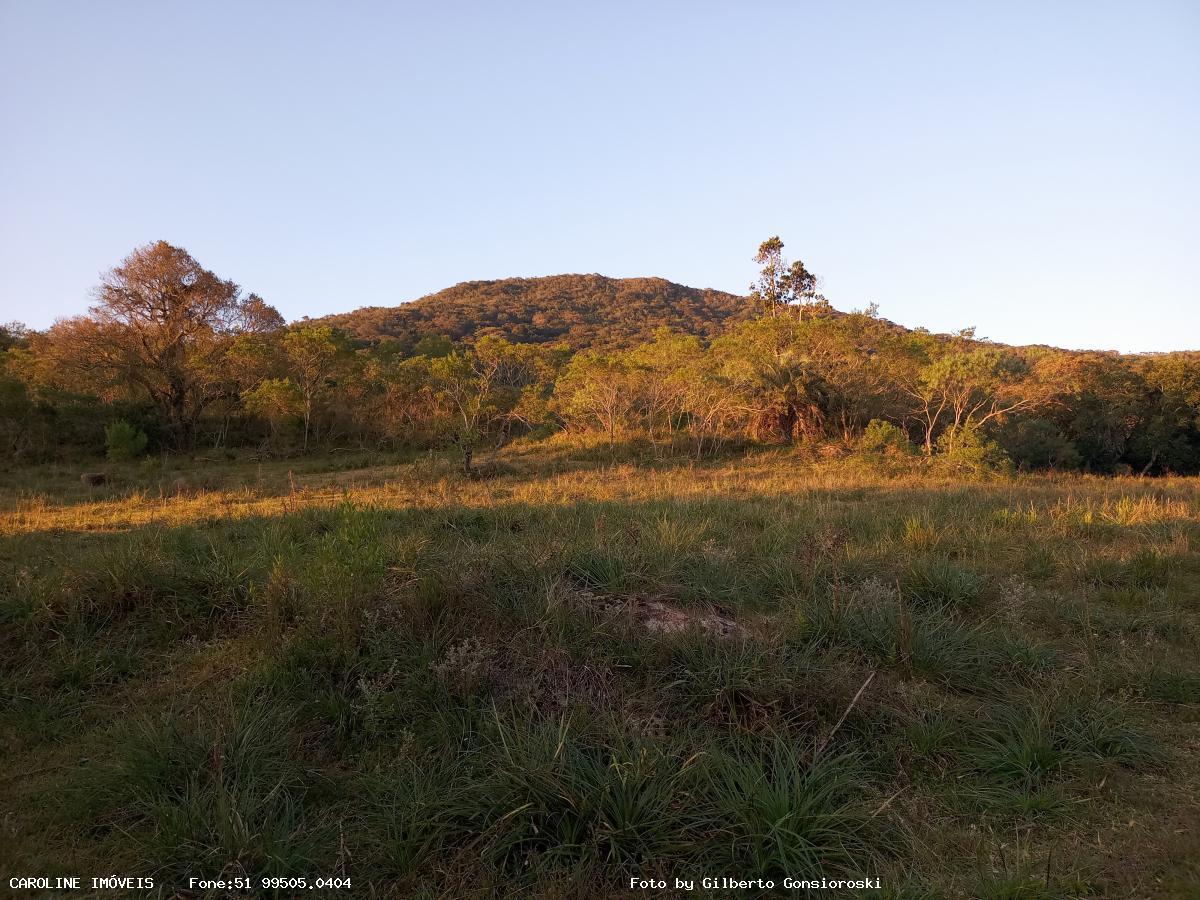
(884, 437)
(123, 441)
(967, 451)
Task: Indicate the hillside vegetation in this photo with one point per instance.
(173, 358)
(582, 311)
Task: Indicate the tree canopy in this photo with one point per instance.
(160, 328)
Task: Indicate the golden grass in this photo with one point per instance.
(1062, 501)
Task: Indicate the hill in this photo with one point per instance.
(581, 310)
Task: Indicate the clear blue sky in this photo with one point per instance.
(1029, 168)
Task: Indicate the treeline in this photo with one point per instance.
(171, 357)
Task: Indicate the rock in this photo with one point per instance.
(93, 479)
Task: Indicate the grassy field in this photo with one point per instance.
(545, 681)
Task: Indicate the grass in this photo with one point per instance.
(450, 687)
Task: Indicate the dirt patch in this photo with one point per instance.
(659, 616)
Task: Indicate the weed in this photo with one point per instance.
(778, 811)
(937, 580)
(199, 794)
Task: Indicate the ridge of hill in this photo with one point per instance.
(583, 311)
(579, 310)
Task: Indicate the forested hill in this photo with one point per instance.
(582, 310)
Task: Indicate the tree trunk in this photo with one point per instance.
(1149, 465)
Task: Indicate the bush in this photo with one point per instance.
(124, 442)
(968, 451)
(1039, 444)
(884, 437)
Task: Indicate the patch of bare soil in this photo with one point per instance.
(656, 615)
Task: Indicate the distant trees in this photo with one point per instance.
(13, 335)
(781, 284)
(18, 415)
(584, 312)
(170, 354)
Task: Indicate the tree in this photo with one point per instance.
(485, 385)
(17, 411)
(160, 327)
(1169, 436)
(597, 389)
(955, 388)
(1038, 443)
(1099, 402)
(662, 373)
(276, 400)
(13, 334)
(433, 346)
(314, 356)
(401, 402)
(782, 285)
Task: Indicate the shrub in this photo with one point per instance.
(884, 437)
(1039, 444)
(968, 451)
(124, 441)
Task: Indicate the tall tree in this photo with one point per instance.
(161, 326)
(782, 285)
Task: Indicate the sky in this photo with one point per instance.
(1031, 169)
